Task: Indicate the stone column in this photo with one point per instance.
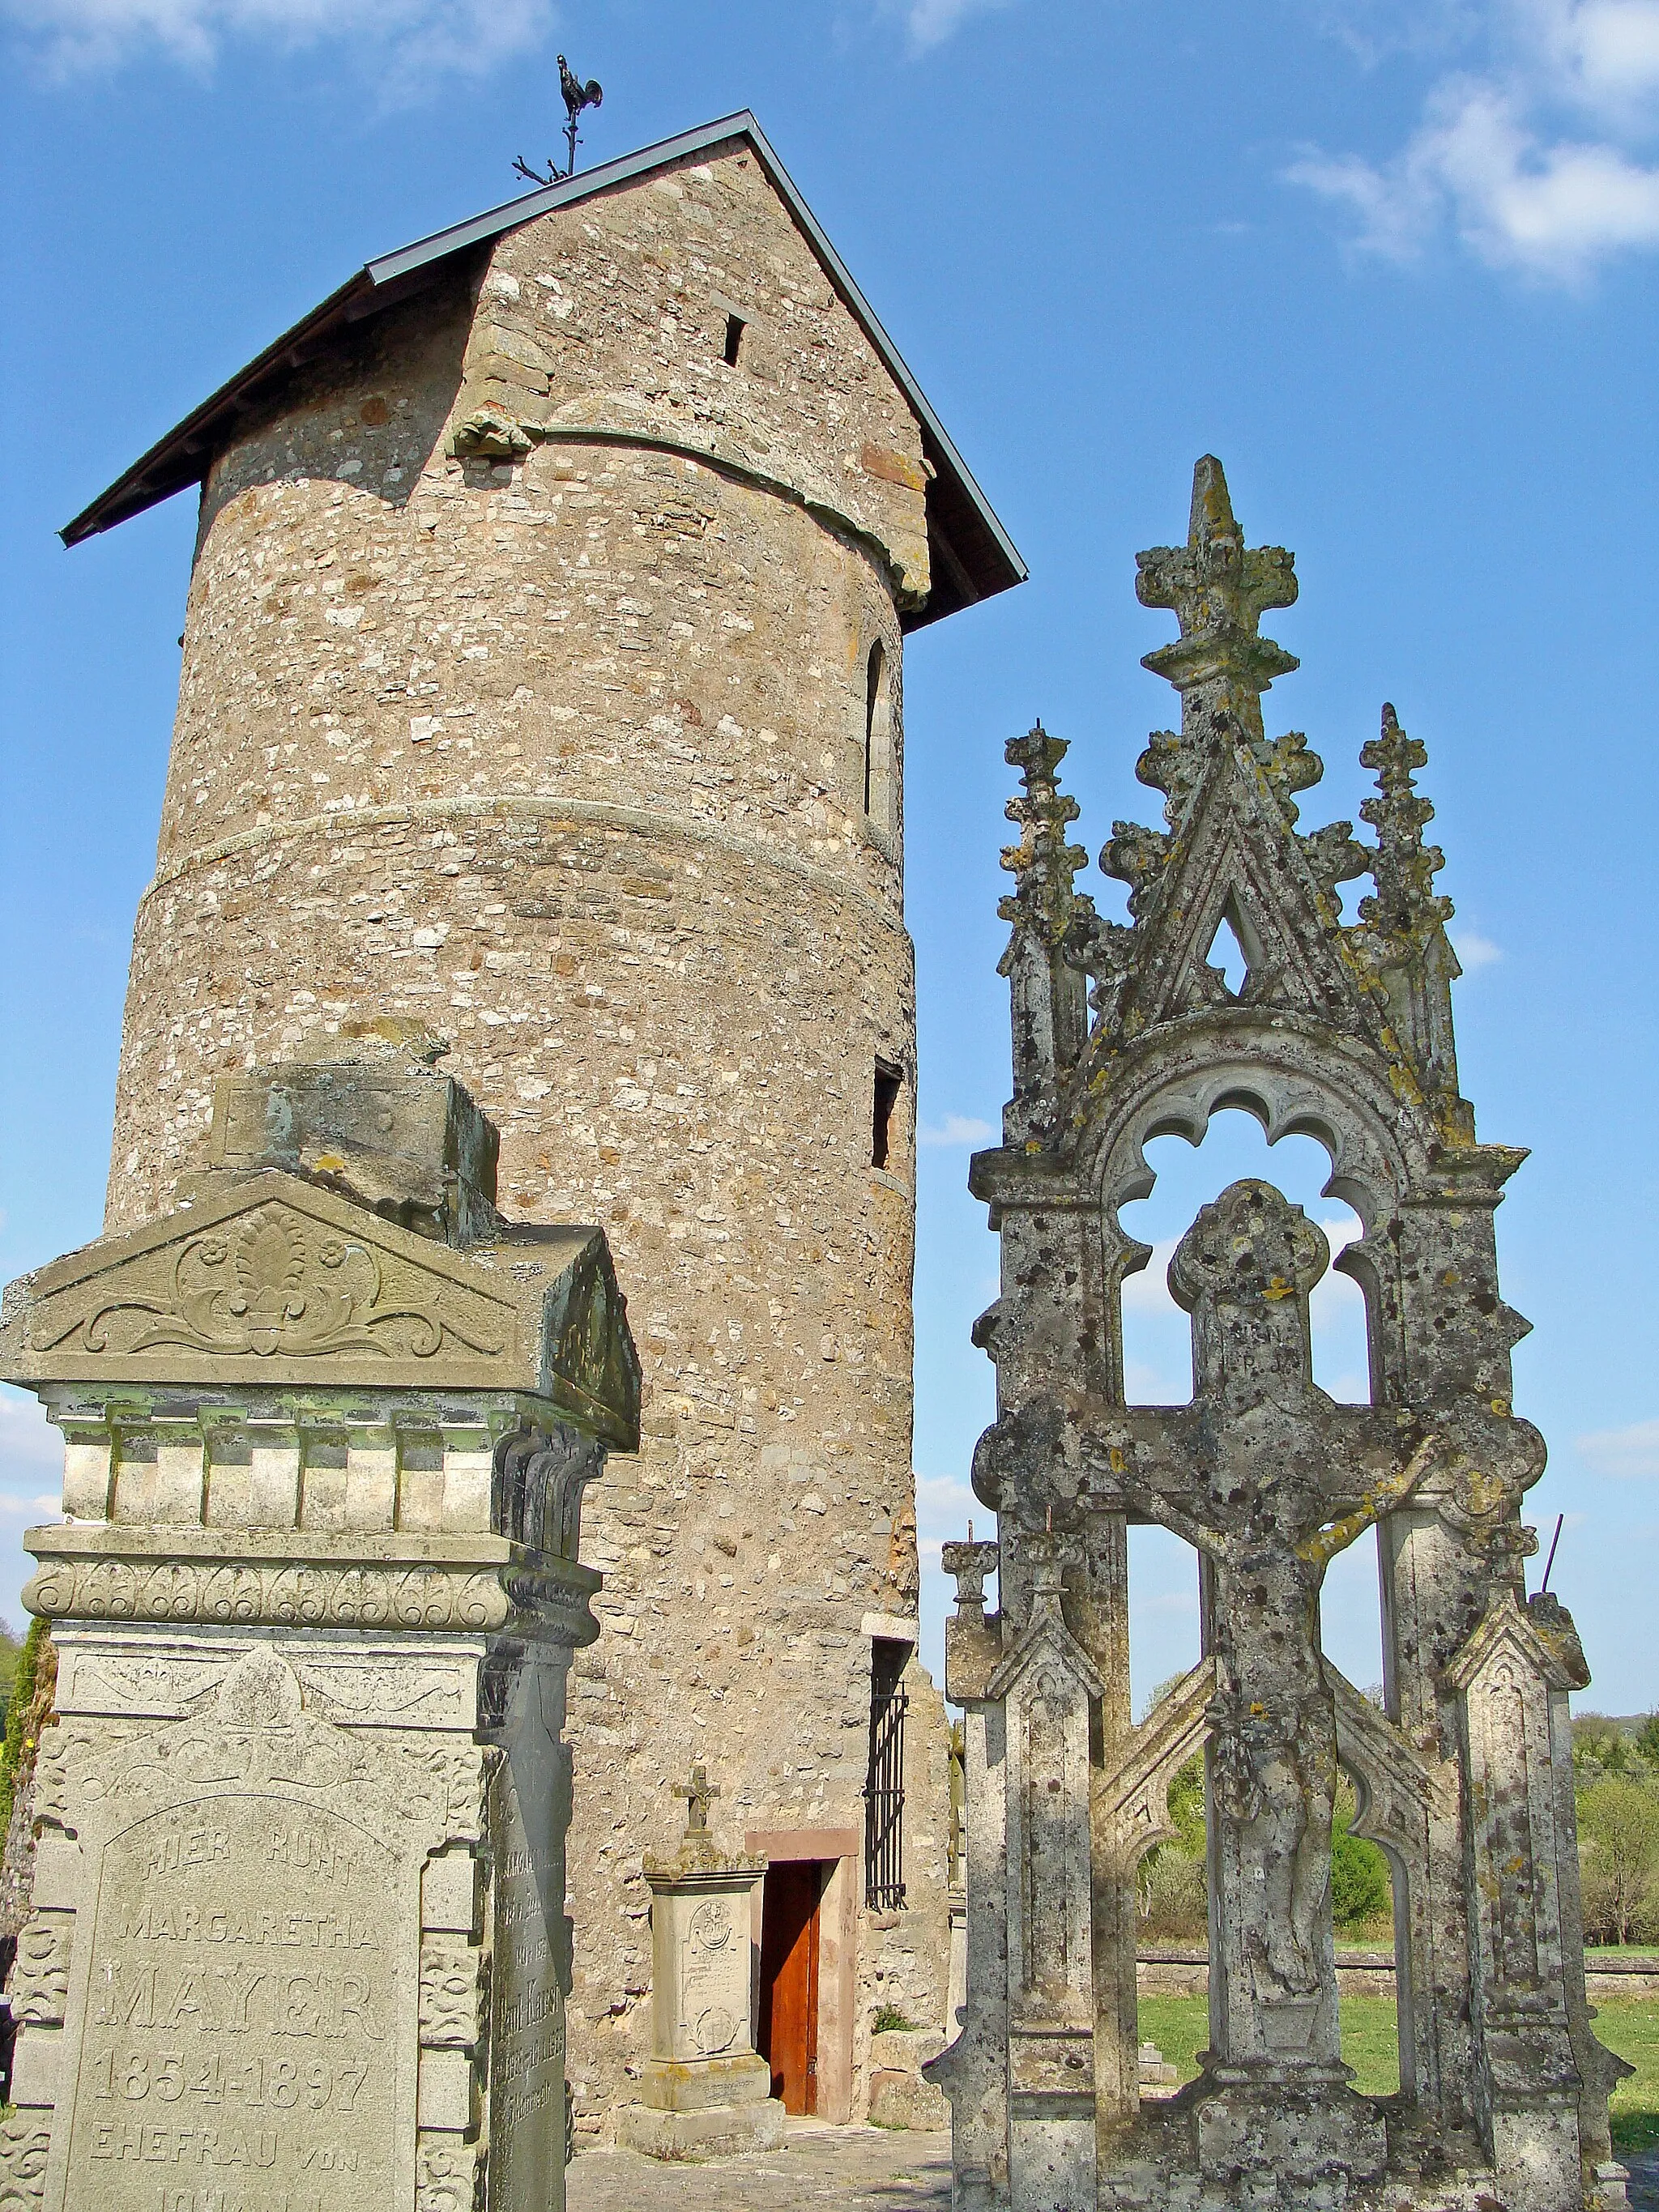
(707, 2091)
(973, 2072)
(298, 1923)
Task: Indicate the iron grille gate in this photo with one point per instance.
(883, 1790)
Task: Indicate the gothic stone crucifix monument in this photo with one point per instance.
(1342, 1032)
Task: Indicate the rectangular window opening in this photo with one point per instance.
(735, 327)
(883, 1790)
(889, 1081)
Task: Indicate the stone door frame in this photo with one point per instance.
(840, 1849)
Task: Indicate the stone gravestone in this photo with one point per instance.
(1341, 1031)
(298, 1928)
(706, 2092)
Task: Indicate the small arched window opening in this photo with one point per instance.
(878, 737)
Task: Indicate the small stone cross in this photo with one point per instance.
(699, 1793)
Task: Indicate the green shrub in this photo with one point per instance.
(889, 2019)
(19, 1701)
(1618, 1859)
(1174, 1895)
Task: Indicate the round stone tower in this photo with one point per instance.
(541, 707)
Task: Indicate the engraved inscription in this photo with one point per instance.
(240, 2039)
(527, 2036)
(707, 1970)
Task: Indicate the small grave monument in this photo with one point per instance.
(707, 2091)
(298, 1936)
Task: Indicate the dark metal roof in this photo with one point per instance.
(974, 556)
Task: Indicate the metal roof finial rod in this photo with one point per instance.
(577, 96)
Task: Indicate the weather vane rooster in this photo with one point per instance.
(577, 96)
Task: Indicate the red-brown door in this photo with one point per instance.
(789, 1980)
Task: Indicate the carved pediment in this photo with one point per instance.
(1508, 1637)
(270, 1279)
(1236, 861)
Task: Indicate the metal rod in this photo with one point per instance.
(1550, 1562)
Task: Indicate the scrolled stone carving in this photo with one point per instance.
(25, 2147)
(451, 1975)
(315, 1594)
(272, 1282)
(448, 2174)
(39, 1975)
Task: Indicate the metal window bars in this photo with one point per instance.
(883, 1790)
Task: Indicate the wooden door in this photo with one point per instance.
(789, 1980)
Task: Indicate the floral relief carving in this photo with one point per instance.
(256, 1732)
(310, 1593)
(273, 1283)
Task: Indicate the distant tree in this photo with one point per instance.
(11, 1650)
(1187, 1806)
(1619, 1855)
(1599, 1745)
(1360, 1887)
(1647, 1739)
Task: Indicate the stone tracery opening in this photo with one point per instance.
(1156, 1335)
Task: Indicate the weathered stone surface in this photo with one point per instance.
(1342, 1032)
(525, 705)
(298, 1925)
(899, 2096)
(704, 2081)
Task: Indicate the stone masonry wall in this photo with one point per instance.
(561, 758)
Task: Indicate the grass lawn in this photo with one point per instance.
(1629, 2026)
(1181, 2028)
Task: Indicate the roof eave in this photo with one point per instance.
(979, 554)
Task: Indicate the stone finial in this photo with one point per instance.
(1402, 928)
(1406, 904)
(1055, 927)
(969, 1563)
(699, 1794)
(1219, 590)
(1043, 864)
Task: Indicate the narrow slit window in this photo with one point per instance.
(888, 1082)
(735, 327)
(872, 715)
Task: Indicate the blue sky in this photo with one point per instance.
(1394, 262)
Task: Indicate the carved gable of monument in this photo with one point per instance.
(1341, 1031)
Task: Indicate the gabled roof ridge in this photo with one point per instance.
(183, 456)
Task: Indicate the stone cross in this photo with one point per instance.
(1269, 1479)
(699, 1793)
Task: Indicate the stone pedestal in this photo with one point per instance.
(298, 1929)
(706, 2090)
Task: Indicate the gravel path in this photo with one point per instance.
(855, 2169)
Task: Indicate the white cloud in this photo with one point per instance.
(411, 41)
(31, 1458)
(1629, 1453)
(930, 22)
(1537, 160)
(957, 1130)
(945, 1504)
(1474, 950)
